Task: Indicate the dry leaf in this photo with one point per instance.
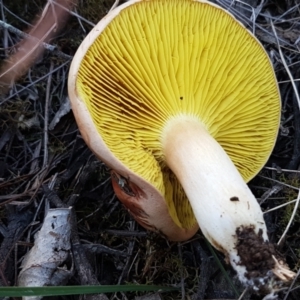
(29, 49)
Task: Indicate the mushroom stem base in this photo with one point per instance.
(221, 201)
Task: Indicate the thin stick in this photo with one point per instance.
(290, 221)
(116, 3)
(72, 13)
(298, 100)
(280, 206)
(46, 117)
(279, 182)
(281, 170)
(285, 65)
(34, 82)
(24, 35)
(243, 294)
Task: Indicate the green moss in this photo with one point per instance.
(290, 194)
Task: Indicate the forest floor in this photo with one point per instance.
(44, 163)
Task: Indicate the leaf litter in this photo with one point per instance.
(45, 164)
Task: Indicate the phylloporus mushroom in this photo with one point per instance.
(181, 102)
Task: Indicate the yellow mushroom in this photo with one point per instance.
(180, 100)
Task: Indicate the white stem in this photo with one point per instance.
(221, 200)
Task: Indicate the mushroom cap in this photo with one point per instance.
(149, 61)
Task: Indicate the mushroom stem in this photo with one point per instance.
(225, 208)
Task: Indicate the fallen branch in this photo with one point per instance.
(24, 35)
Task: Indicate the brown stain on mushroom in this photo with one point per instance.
(234, 198)
(132, 197)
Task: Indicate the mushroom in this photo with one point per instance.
(180, 100)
